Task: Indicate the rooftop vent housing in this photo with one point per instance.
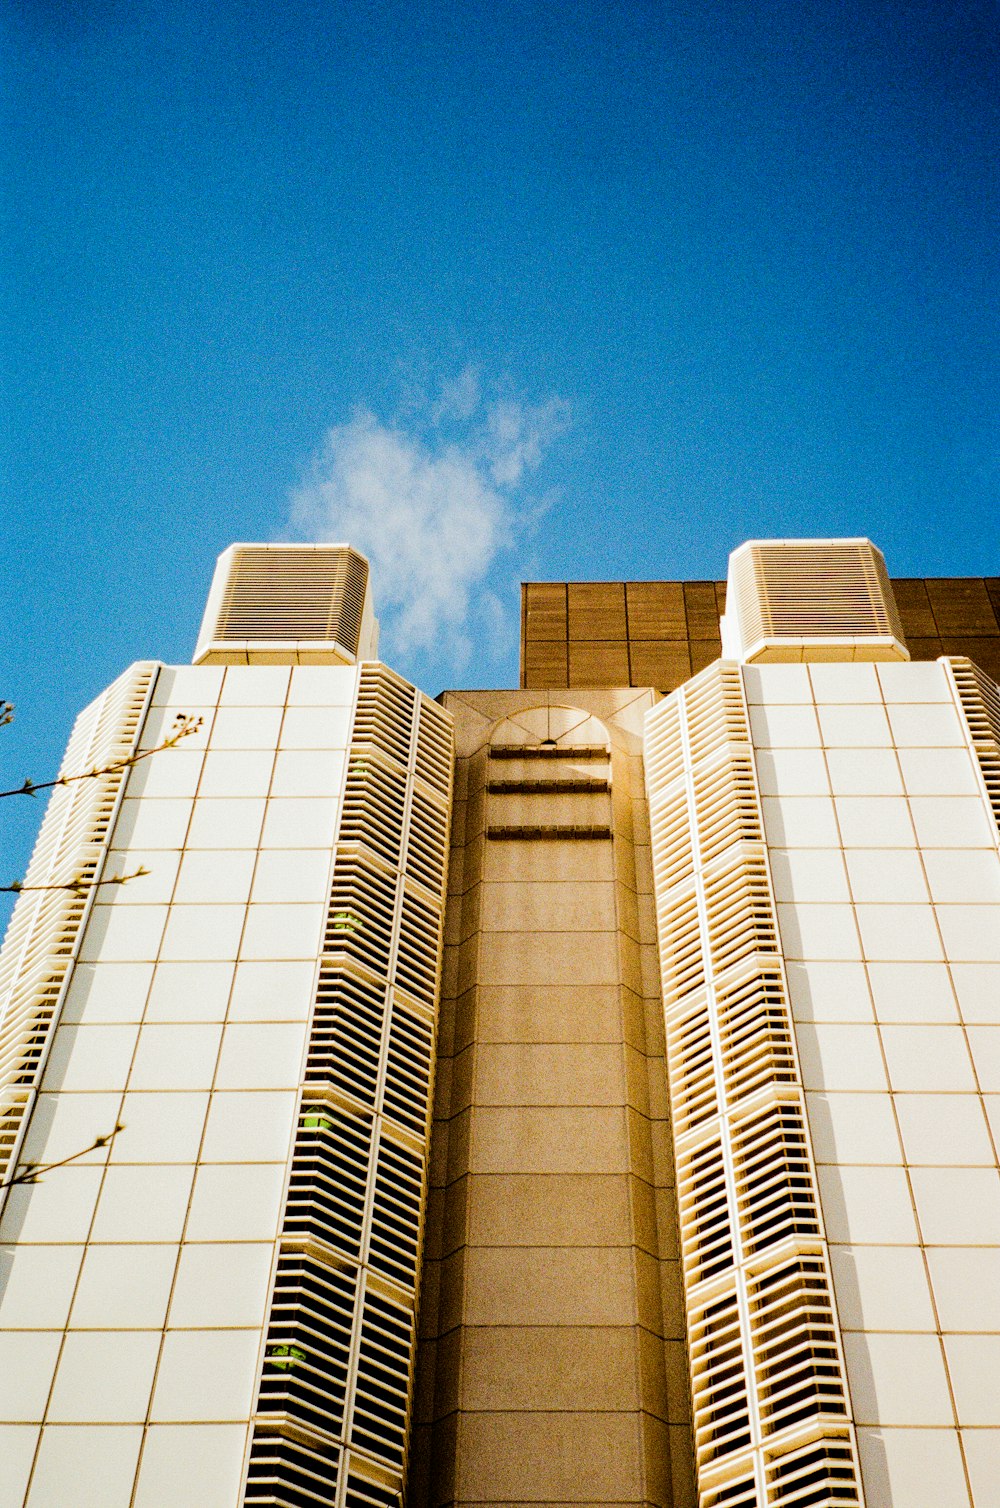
(810, 599)
(288, 604)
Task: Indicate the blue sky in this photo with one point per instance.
(605, 290)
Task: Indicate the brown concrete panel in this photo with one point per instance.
(569, 860)
(545, 663)
(545, 609)
(595, 662)
(518, 1458)
(656, 610)
(548, 958)
(702, 609)
(549, 1140)
(915, 611)
(557, 1285)
(704, 652)
(546, 1369)
(546, 1074)
(596, 610)
(984, 652)
(961, 605)
(666, 665)
(546, 809)
(553, 1209)
(547, 906)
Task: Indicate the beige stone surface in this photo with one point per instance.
(587, 1073)
(549, 1139)
(560, 1209)
(568, 1457)
(520, 1369)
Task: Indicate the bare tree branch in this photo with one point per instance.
(31, 787)
(33, 1171)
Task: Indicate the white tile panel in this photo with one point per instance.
(246, 728)
(944, 1129)
(777, 684)
(977, 986)
(966, 1283)
(90, 1467)
(958, 1206)
(918, 681)
(982, 1452)
(152, 823)
(280, 932)
(106, 993)
(308, 773)
(971, 934)
(191, 1464)
(175, 1057)
(916, 725)
(938, 772)
(162, 723)
(155, 888)
(190, 991)
(864, 772)
(236, 772)
(142, 1203)
(186, 686)
(249, 1127)
(160, 1127)
(90, 1057)
(899, 934)
(854, 726)
(255, 686)
(984, 1044)
(912, 1466)
(104, 1377)
(829, 991)
(171, 772)
(300, 823)
(952, 822)
(881, 874)
(316, 728)
(323, 686)
(202, 933)
(874, 822)
(221, 1286)
(205, 1375)
(882, 1288)
(974, 1368)
(27, 1366)
(846, 682)
(124, 1287)
(36, 1286)
(897, 1379)
(963, 875)
(815, 931)
(261, 1055)
(867, 1206)
(792, 772)
(808, 874)
(292, 874)
(784, 727)
(54, 1210)
(63, 1124)
(924, 1057)
(236, 1203)
(222, 823)
(123, 934)
(215, 877)
(271, 991)
(848, 1127)
(800, 821)
(912, 992)
(840, 1057)
(17, 1452)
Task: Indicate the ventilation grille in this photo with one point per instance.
(285, 1473)
(765, 1362)
(292, 593)
(793, 599)
(338, 1364)
(47, 924)
(979, 699)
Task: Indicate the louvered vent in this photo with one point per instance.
(47, 924)
(764, 1347)
(281, 604)
(811, 599)
(338, 1362)
(979, 700)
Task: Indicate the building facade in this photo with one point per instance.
(697, 961)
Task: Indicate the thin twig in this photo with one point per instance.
(33, 1171)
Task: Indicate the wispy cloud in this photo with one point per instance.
(435, 499)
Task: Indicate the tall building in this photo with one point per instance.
(709, 1211)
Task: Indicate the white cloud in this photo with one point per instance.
(433, 506)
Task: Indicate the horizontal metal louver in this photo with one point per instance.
(47, 923)
(285, 1473)
(763, 1343)
(358, 1170)
(279, 593)
(785, 596)
(819, 1475)
(979, 700)
(384, 1357)
(307, 1351)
